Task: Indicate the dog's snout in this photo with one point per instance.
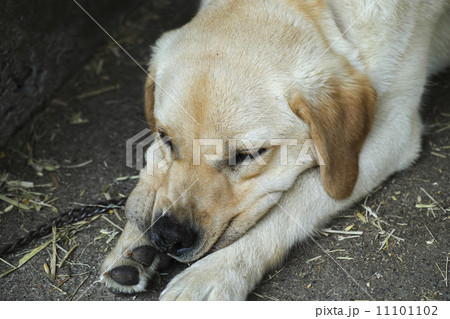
(171, 236)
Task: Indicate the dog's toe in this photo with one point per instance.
(144, 255)
(125, 275)
(211, 278)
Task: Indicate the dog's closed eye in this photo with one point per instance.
(242, 156)
(166, 139)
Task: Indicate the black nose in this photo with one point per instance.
(171, 236)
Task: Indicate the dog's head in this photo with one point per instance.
(242, 103)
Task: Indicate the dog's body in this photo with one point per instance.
(347, 74)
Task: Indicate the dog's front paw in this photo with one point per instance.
(132, 263)
(208, 279)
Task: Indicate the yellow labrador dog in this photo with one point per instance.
(273, 115)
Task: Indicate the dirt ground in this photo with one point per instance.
(79, 140)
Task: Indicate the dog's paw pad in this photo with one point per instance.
(125, 275)
(144, 255)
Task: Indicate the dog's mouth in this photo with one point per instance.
(179, 251)
(177, 239)
(228, 236)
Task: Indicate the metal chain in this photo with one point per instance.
(72, 216)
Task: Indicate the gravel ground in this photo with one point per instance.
(88, 121)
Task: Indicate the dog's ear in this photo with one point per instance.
(149, 100)
(339, 119)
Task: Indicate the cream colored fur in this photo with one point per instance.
(396, 44)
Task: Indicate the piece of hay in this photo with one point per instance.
(345, 258)
(78, 165)
(384, 243)
(59, 285)
(53, 262)
(78, 288)
(342, 232)
(15, 203)
(312, 259)
(67, 255)
(98, 92)
(26, 258)
(112, 223)
(370, 211)
(362, 217)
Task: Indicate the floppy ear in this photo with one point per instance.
(149, 101)
(339, 120)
